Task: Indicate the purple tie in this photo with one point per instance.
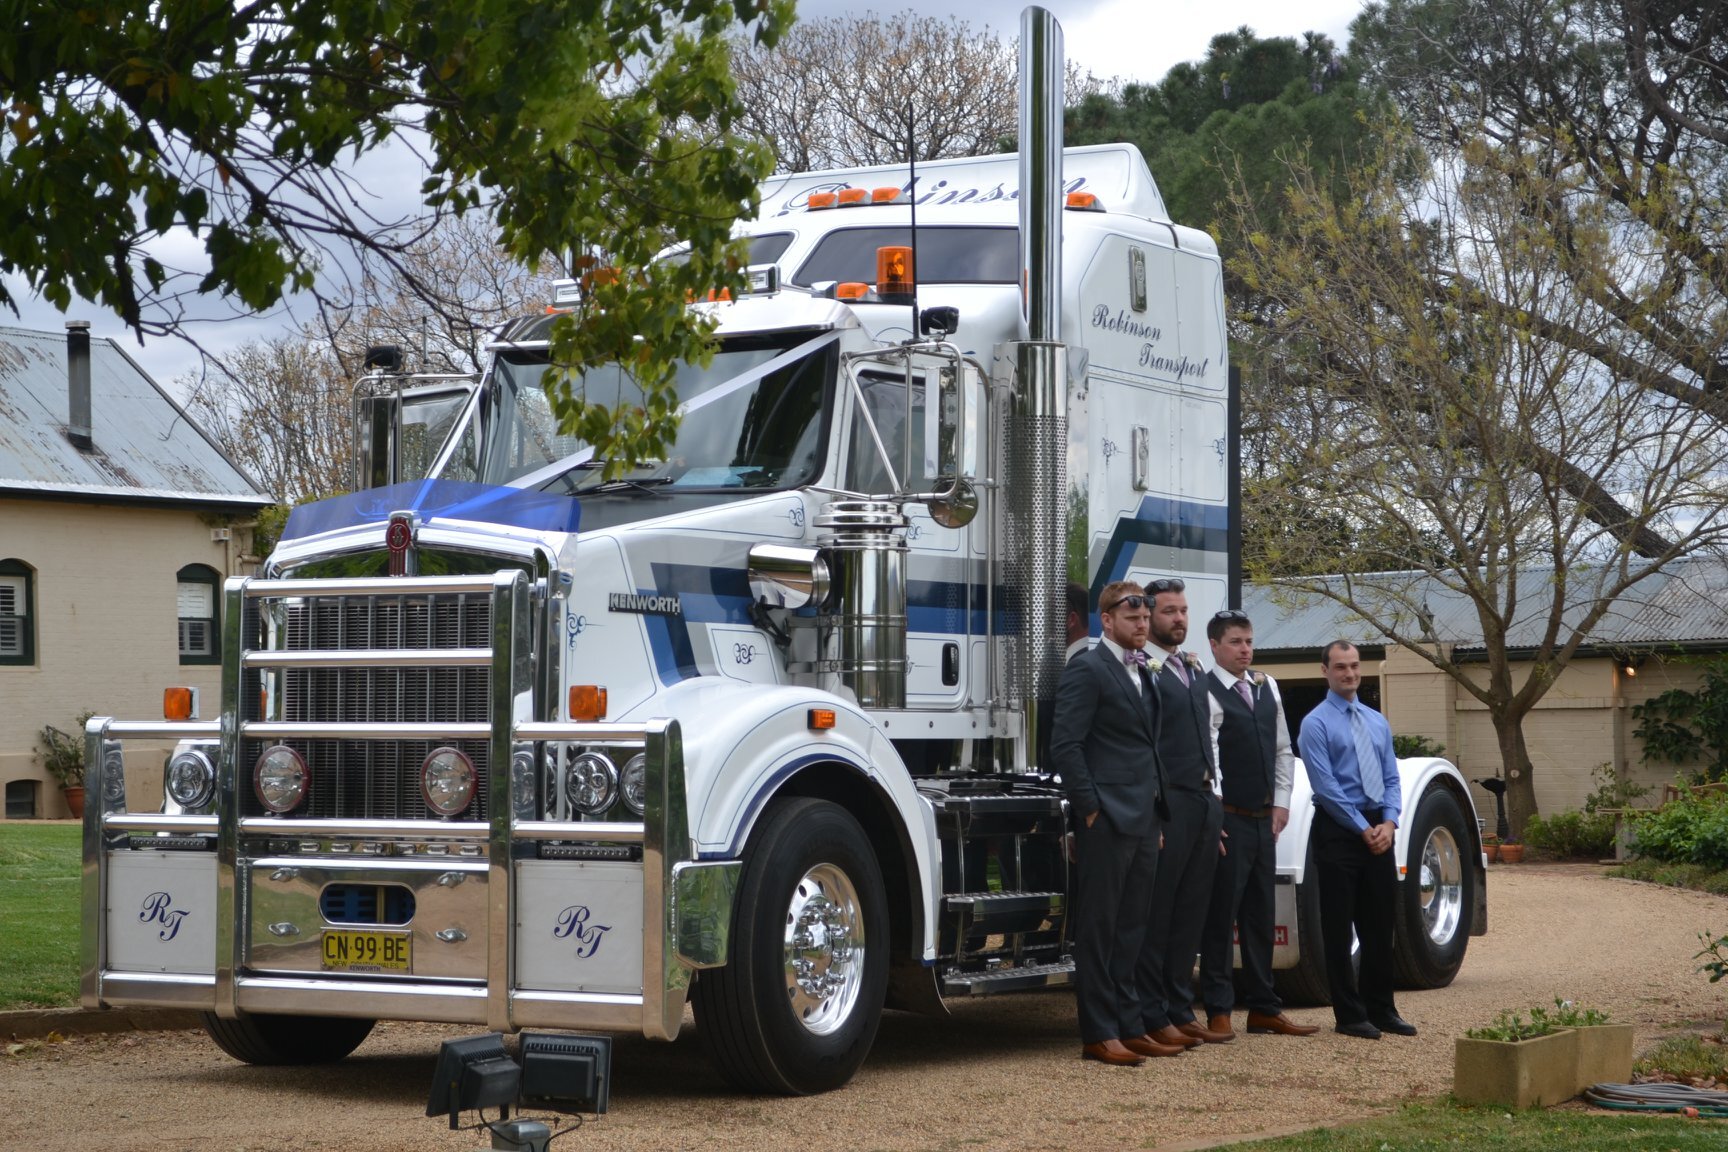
(1247, 694)
(1181, 672)
(1134, 657)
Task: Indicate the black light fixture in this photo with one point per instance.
(473, 1072)
(566, 1073)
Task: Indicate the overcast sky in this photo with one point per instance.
(1129, 39)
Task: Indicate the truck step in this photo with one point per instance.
(997, 980)
(1014, 815)
(1004, 912)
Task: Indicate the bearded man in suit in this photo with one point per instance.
(1105, 747)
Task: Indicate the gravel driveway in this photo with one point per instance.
(1002, 1073)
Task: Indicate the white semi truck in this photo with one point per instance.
(753, 727)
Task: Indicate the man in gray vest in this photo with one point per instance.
(1183, 888)
(1257, 767)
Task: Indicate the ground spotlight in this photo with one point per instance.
(473, 1072)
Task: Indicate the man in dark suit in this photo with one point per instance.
(1258, 767)
(1105, 746)
(1191, 837)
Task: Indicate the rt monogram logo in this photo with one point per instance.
(573, 922)
(155, 910)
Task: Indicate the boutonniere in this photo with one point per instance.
(1191, 660)
(1259, 679)
(1154, 664)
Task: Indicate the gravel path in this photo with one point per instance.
(1002, 1073)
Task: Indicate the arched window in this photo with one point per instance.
(17, 613)
(196, 596)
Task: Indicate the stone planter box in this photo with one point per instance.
(1604, 1055)
(1518, 1074)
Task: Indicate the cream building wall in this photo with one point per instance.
(1583, 722)
(106, 634)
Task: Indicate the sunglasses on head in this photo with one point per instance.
(1133, 601)
(1165, 584)
(1231, 614)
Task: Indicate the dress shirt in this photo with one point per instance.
(1283, 756)
(1117, 654)
(1329, 752)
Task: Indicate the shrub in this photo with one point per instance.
(1692, 829)
(1567, 834)
(1411, 747)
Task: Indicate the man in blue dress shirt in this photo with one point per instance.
(1347, 749)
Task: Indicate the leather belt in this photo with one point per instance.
(1251, 813)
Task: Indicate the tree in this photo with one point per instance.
(1626, 101)
(284, 406)
(1229, 118)
(603, 130)
(1431, 374)
(836, 92)
(1683, 726)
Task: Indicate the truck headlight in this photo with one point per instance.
(634, 781)
(591, 783)
(280, 779)
(447, 781)
(191, 779)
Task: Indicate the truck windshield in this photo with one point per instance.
(751, 419)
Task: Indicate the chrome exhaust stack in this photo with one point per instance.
(1033, 374)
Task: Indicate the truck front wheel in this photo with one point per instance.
(286, 1039)
(1434, 901)
(796, 1007)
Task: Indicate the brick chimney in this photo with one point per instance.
(78, 383)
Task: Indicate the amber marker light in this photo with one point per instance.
(821, 200)
(1084, 202)
(179, 703)
(852, 197)
(822, 719)
(894, 274)
(884, 195)
(851, 290)
(587, 702)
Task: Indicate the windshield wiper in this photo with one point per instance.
(646, 485)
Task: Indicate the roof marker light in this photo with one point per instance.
(887, 195)
(820, 200)
(1084, 202)
(851, 290)
(852, 197)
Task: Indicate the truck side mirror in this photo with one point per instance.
(374, 441)
(955, 396)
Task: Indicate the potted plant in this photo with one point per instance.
(1604, 1049)
(1516, 1062)
(1511, 850)
(62, 755)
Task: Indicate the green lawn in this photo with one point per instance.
(39, 914)
(1438, 1124)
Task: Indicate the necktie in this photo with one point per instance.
(1134, 657)
(1367, 758)
(1181, 669)
(1246, 693)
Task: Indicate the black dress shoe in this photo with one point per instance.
(1396, 1025)
(1360, 1029)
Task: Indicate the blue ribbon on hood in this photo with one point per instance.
(443, 499)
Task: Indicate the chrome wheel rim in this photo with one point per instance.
(1440, 882)
(824, 945)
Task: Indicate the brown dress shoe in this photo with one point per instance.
(1196, 1031)
(1111, 1052)
(1220, 1022)
(1168, 1035)
(1148, 1045)
(1280, 1025)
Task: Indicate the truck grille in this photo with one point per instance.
(368, 779)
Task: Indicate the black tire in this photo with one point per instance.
(279, 1040)
(763, 1028)
(1436, 899)
(1306, 985)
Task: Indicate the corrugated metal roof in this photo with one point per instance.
(1685, 604)
(144, 447)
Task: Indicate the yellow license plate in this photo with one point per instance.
(346, 951)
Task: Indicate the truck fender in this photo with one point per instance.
(745, 744)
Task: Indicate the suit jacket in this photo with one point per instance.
(1104, 742)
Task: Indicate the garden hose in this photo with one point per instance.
(1659, 1097)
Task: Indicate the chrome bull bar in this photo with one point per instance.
(686, 904)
